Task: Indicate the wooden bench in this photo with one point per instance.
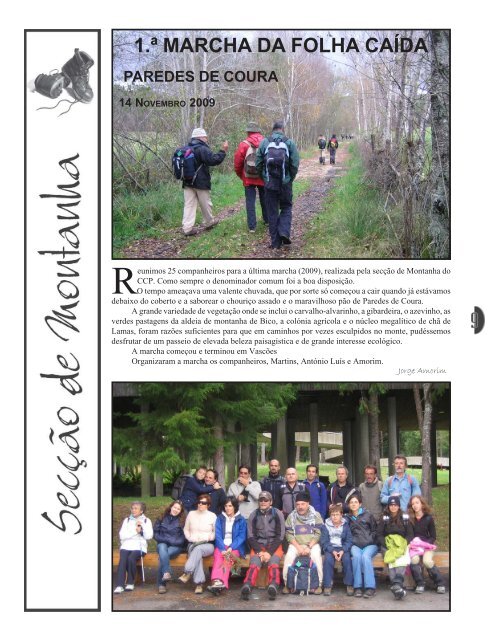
(151, 560)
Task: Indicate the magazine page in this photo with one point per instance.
(256, 294)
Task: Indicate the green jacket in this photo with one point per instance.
(291, 170)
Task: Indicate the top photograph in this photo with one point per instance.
(289, 145)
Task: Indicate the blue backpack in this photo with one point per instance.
(302, 576)
(184, 164)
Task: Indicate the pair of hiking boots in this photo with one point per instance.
(74, 77)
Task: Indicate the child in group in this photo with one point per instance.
(134, 533)
(336, 542)
(422, 546)
(395, 532)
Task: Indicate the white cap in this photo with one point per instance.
(199, 133)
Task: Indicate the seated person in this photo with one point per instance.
(265, 534)
(302, 532)
(364, 533)
(134, 533)
(336, 542)
(168, 533)
(395, 531)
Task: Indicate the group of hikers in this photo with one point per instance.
(331, 144)
(309, 524)
(267, 167)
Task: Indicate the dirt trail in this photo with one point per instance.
(306, 206)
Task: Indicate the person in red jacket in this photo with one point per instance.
(244, 162)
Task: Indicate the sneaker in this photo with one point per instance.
(398, 592)
(358, 593)
(252, 230)
(167, 577)
(198, 589)
(316, 592)
(285, 590)
(162, 589)
(420, 588)
(327, 591)
(49, 85)
(272, 591)
(285, 239)
(129, 587)
(119, 590)
(369, 593)
(349, 590)
(76, 73)
(192, 232)
(441, 589)
(245, 592)
(212, 224)
(185, 577)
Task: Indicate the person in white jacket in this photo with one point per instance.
(134, 533)
(246, 491)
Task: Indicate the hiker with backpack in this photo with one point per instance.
(277, 162)
(244, 162)
(303, 529)
(191, 165)
(168, 533)
(322, 143)
(332, 145)
(400, 484)
(265, 534)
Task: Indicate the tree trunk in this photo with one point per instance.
(159, 484)
(373, 419)
(145, 482)
(439, 96)
(426, 485)
(219, 454)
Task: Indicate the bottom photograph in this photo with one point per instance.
(265, 496)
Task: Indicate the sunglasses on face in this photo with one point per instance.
(203, 502)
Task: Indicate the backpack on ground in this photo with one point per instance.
(184, 164)
(302, 576)
(178, 485)
(276, 158)
(250, 161)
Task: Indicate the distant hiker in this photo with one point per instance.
(277, 162)
(322, 143)
(401, 484)
(197, 189)
(332, 145)
(244, 163)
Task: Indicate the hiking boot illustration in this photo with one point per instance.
(49, 85)
(76, 73)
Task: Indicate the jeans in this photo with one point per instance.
(363, 571)
(279, 209)
(166, 553)
(127, 567)
(328, 569)
(251, 204)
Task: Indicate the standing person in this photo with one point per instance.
(336, 542)
(370, 491)
(322, 143)
(246, 491)
(198, 190)
(265, 534)
(316, 489)
(218, 496)
(401, 484)
(423, 545)
(341, 488)
(303, 533)
(364, 532)
(230, 543)
(272, 483)
(200, 533)
(332, 145)
(168, 533)
(277, 162)
(244, 162)
(289, 490)
(394, 534)
(134, 533)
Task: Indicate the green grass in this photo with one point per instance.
(353, 223)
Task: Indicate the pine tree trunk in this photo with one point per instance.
(426, 485)
(373, 420)
(219, 454)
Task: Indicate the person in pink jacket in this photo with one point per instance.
(244, 162)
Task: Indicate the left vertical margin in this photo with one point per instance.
(62, 429)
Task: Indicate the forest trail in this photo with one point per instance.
(322, 178)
